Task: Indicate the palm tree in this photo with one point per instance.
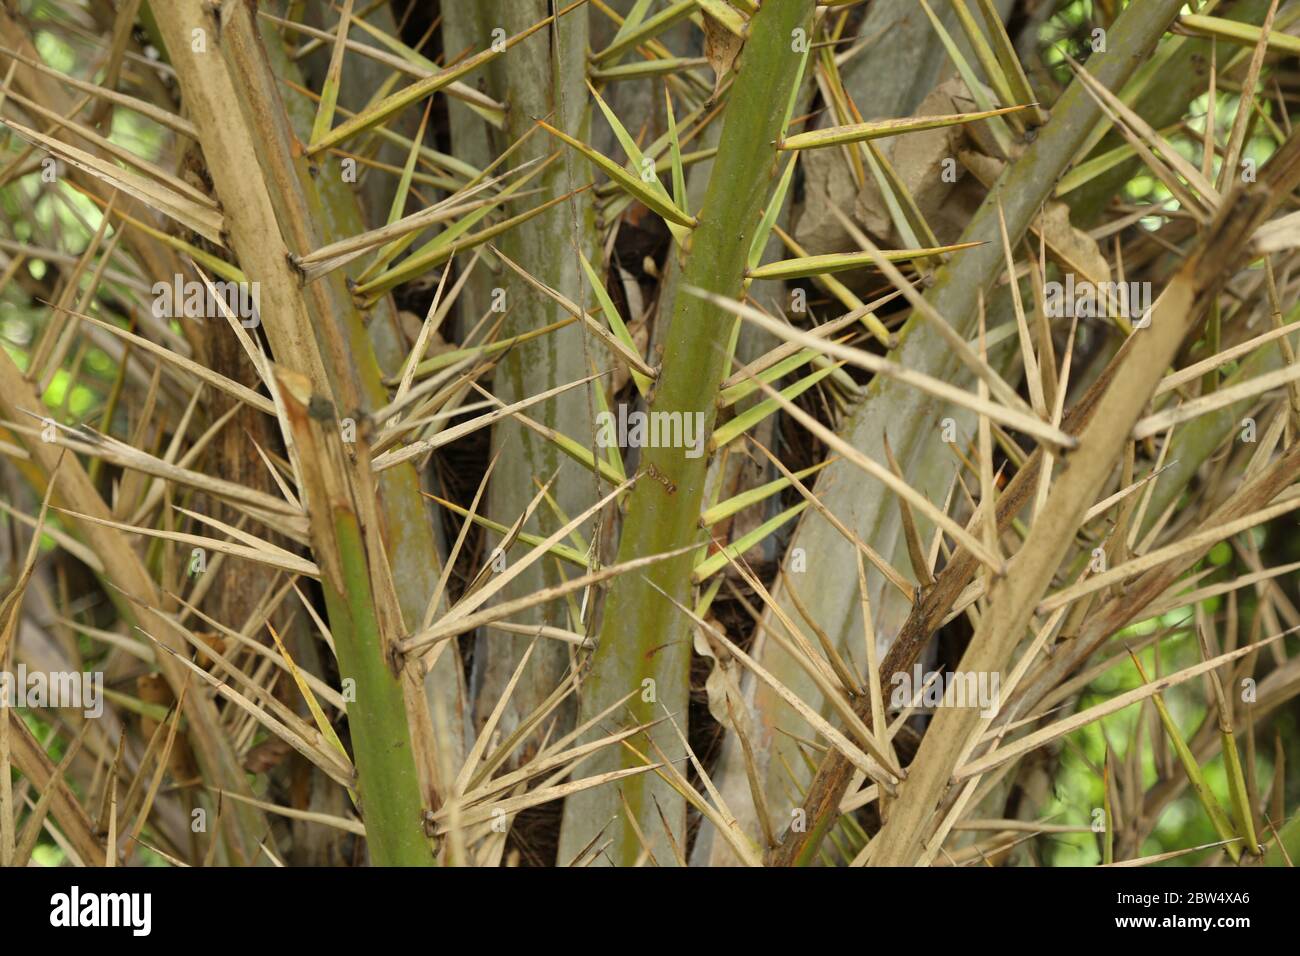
(648, 432)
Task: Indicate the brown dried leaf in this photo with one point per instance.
(721, 47)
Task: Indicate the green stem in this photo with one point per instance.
(364, 620)
(387, 778)
(376, 350)
(644, 637)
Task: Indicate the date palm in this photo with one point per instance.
(365, 582)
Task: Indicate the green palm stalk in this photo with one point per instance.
(644, 638)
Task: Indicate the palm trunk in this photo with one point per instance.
(544, 77)
(911, 417)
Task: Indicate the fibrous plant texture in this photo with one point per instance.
(649, 432)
